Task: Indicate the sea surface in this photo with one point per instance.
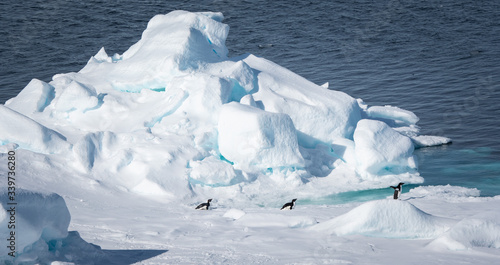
(437, 58)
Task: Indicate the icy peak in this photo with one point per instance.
(187, 37)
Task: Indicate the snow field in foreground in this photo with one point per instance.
(165, 233)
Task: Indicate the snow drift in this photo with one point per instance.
(481, 230)
(174, 115)
(386, 218)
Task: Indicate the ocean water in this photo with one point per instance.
(437, 58)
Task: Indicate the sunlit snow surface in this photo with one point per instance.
(132, 142)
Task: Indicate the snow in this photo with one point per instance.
(29, 134)
(481, 230)
(131, 143)
(419, 141)
(255, 139)
(381, 150)
(446, 192)
(39, 216)
(430, 140)
(76, 97)
(319, 115)
(392, 113)
(234, 214)
(33, 98)
(212, 171)
(386, 218)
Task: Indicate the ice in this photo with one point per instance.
(36, 216)
(481, 230)
(319, 114)
(445, 192)
(245, 119)
(175, 102)
(381, 150)
(429, 140)
(133, 141)
(392, 113)
(100, 57)
(255, 139)
(40, 224)
(386, 218)
(419, 141)
(212, 171)
(177, 84)
(248, 100)
(238, 73)
(234, 214)
(76, 96)
(171, 43)
(29, 134)
(33, 98)
(275, 220)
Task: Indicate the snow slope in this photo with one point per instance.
(132, 142)
(387, 218)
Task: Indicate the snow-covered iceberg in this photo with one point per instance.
(174, 116)
(36, 228)
(33, 216)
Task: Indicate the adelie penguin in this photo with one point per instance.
(397, 190)
(204, 206)
(288, 205)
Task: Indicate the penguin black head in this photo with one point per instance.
(204, 206)
(294, 200)
(398, 186)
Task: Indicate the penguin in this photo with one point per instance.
(204, 206)
(397, 190)
(288, 205)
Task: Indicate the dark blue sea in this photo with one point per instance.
(437, 58)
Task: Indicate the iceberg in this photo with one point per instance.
(133, 142)
(37, 226)
(174, 115)
(41, 216)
